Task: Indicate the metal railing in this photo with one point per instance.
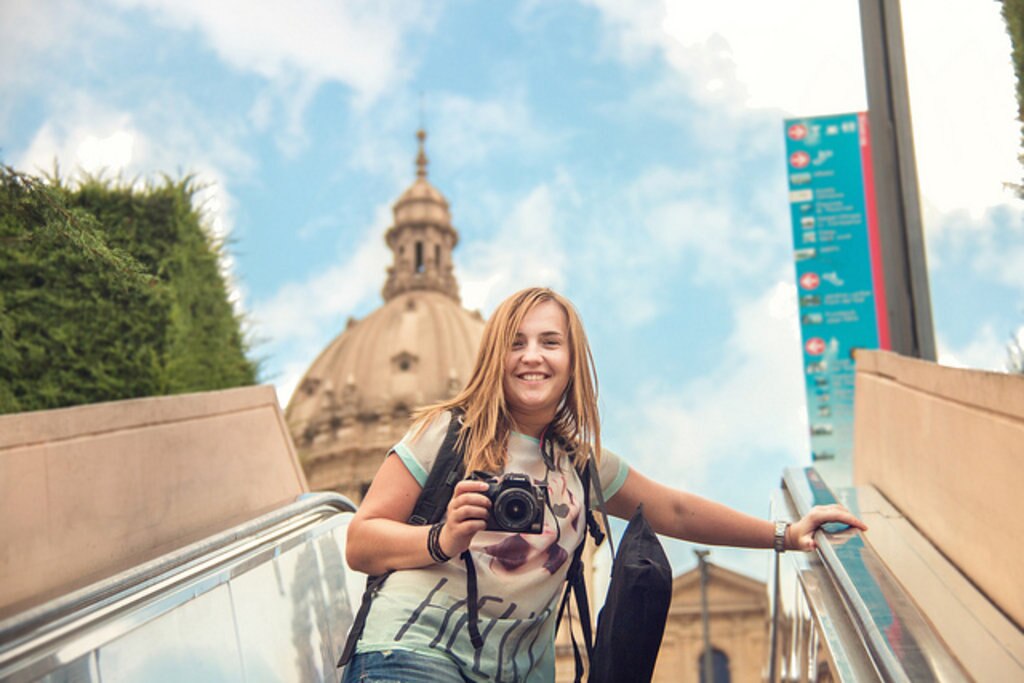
(839, 613)
(268, 599)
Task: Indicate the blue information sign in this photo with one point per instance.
(840, 293)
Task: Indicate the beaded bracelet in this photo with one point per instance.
(434, 544)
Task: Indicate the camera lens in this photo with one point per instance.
(514, 510)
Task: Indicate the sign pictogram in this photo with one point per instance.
(815, 346)
(799, 159)
(810, 281)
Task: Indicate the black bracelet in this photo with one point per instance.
(434, 544)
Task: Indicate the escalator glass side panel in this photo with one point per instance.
(281, 610)
(193, 642)
(269, 600)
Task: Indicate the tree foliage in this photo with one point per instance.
(1013, 14)
(110, 292)
(1015, 353)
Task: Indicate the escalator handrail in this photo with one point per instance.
(795, 483)
(15, 630)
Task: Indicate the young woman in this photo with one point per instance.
(530, 407)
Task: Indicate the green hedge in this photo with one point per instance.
(110, 292)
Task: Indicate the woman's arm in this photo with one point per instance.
(379, 538)
(691, 518)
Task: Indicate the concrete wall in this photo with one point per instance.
(946, 447)
(90, 491)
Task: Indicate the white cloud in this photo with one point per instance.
(635, 27)
(963, 102)
(524, 252)
(462, 132)
(300, 311)
(801, 56)
(684, 212)
(987, 350)
(114, 151)
(752, 401)
(674, 226)
(86, 139)
(280, 109)
(991, 244)
(32, 31)
(1003, 263)
(475, 128)
(84, 133)
(748, 53)
(356, 43)
(804, 57)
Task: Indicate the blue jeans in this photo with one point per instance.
(400, 666)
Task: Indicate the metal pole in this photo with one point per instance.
(773, 647)
(901, 235)
(701, 555)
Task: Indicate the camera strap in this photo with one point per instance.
(472, 602)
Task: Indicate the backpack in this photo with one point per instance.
(635, 608)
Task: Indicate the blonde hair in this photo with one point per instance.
(487, 421)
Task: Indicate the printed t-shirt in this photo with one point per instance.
(520, 577)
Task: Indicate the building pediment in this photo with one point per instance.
(728, 591)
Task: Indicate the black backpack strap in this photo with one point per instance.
(373, 584)
(572, 637)
(430, 507)
(577, 585)
(595, 478)
(449, 468)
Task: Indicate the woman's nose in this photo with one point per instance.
(531, 353)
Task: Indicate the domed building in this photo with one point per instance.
(355, 400)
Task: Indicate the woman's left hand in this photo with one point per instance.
(800, 534)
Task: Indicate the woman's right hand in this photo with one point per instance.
(467, 515)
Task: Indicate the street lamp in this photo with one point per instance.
(706, 660)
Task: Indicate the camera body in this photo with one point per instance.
(517, 502)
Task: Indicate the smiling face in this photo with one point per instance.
(537, 368)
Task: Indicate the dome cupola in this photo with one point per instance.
(422, 238)
(355, 400)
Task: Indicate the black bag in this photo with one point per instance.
(632, 621)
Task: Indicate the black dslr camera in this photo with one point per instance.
(517, 502)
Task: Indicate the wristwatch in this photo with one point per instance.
(780, 535)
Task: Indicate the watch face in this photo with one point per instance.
(780, 535)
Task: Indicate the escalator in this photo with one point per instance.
(268, 600)
(884, 605)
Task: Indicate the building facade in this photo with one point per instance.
(739, 616)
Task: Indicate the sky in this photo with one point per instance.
(630, 155)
